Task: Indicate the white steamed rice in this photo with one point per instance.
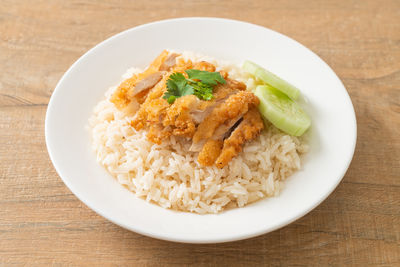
(169, 175)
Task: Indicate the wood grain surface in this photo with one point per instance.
(43, 223)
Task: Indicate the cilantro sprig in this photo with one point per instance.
(199, 83)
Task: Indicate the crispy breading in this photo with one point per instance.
(156, 133)
(179, 115)
(236, 84)
(235, 105)
(123, 95)
(219, 127)
(210, 152)
(205, 66)
(145, 115)
(248, 129)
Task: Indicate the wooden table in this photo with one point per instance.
(43, 223)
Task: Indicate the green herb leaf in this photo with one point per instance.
(176, 81)
(177, 86)
(211, 78)
(203, 91)
(200, 84)
(171, 99)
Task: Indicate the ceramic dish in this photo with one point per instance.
(332, 136)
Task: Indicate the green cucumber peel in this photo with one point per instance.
(271, 79)
(281, 111)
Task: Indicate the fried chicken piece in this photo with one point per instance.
(236, 84)
(230, 115)
(120, 96)
(153, 111)
(141, 97)
(125, 91)
(179, 115)
(204, 109)
(215, 146)
(182, 65)
(143, 86)
(224, 130)
(228, 88)
(169, 62)
(236, 105)
(248, 129)
(156, 133)
(204, 66)
(188, 111)
(210, 152)
(211, 148)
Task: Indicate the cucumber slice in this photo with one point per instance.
(281, 111)
(271, 79)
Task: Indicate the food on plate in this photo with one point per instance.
(188, 133)
(271, 79)
(281, 111)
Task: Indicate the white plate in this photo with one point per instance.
(332, 136)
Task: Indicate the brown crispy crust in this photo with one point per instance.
(191, 117)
